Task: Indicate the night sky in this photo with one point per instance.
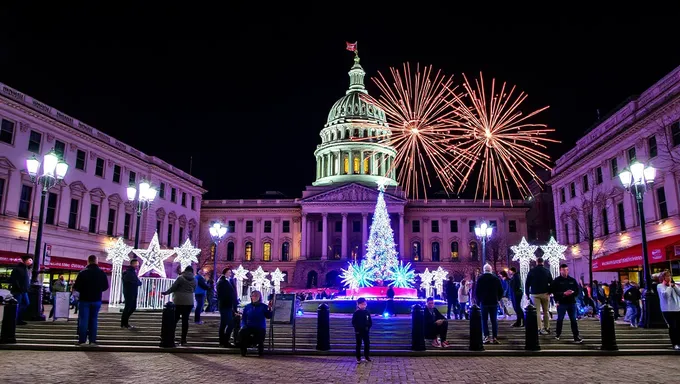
(248, 102)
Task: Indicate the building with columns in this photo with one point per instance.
(310, 238)
(86, 210)
(591, 204)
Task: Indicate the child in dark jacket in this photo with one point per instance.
(361, 321)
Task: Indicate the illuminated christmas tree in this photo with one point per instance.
(381, 253)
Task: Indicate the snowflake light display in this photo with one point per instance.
(403, 276)
(426, 282)
(553, 252)
(240, 274)
(277, 278)
(381, 253)
(525, 254)
(186, 254)
(117, 254)
(356, 276)
(153, 257)
(439, 276)
(259, 276)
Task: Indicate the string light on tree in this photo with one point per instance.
(553, 252)
(381, 253)
(426, 282)
(403, 276)
(153, 258)
(277, 278)
(117, 254)
(439, 275)
(356, 276)
(186, 254)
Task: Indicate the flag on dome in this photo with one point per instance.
(352, 47)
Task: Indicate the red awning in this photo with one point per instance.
(632, 257)
(56, 262)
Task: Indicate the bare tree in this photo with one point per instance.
(667, 156)
(496, 251)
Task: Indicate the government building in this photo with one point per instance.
(312, 237)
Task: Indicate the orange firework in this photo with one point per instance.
(421, 117)
(493, 130)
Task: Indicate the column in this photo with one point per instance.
(120, 222)
(343, 251)
(104, 216)
(258, 238)
(350, 161)
(427, 248)
(239, 245)
(324, 234)
(303, 236)
(364, 233)
(84, 219)
(401, 236)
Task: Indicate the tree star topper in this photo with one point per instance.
(153, 257)
(118, 252)
(186, 254)
(553, 252)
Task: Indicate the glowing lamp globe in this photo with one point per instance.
(131, 193)
(32, 166)
(50, 163)
(143, 189)
(626, 178)
(638, 171)
(650, 174)
(151, 194)
(62, 167)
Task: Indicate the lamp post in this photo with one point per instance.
(146, 196)
(54, 170)
(484, 231)
(637, 181)
(217, 232)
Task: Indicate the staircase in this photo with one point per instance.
(388, 337)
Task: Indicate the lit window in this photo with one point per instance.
(267, 251)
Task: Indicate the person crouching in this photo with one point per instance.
(253, 323)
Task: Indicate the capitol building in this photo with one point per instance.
(310, 238)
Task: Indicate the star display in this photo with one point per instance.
(186, 254)
(439, 276)
(553, 252)
(426, 282)
(153, 257)
(404, 276)
(277, 278)
(259, 276)
(525, 254)
(240, 273)
(119, 252)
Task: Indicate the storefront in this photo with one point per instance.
(662, 254)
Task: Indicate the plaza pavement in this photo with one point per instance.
(104, 367)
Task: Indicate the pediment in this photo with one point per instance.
(6, 164)
(354, 193)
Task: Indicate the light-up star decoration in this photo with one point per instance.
(356, 275)
(259, 276)
(426, 282)
(240, 274)
(277, 278)
(553, 252)
(525, 254)
(439, 276)
(118, 253)
(382, 183)
(403, 275)
(153, 257)
(186, 254)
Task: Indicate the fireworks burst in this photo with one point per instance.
(493, 130)
(421, 117)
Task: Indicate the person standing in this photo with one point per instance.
(90, 284)
(226, 301)
(463, 298)
(669, 299)
(362, 323)
(488, 293)
(58, 285)
(210, 295)
(131, 284)
(565, 289)
(451, 298)
(20, 281)
(537, 288)
(201, 288)
(183, 298)
(632, 296)
(515, 291)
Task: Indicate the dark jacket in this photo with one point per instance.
(90, 283)
(430, 318)
(515, 287)
(131, 284)
(226, 294)
(632, 294)
(489, 289)
(563, 284)
(254, 315)
(451, 291)
(183, 289)
(361, 320)
(201, 286)
(390, 293)
(19, 279)
(538, 281)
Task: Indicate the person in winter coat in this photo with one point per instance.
(565, 290)
(90, 283)
(537, 288)
(515, 290)
(435, 325)
(463, 298)
(131, 284)
(254, 323)
(227, 304)
(669, 300)
(19, 282)
(451, 298)
(489, 292)
(362, 323)
(632, 296)
(201, 289)
(183, 297)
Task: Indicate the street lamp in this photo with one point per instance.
(483, 232)
(54, 170)
(217, 232)
(146, 196)
(637, 181)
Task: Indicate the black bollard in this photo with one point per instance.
(531, 342)
(323, 328)
(607, 330)
(476, 343)
(9, 322)
(168, 326)
(417, 328)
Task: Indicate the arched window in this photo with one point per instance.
(230, 251)
(415, 251)
(249, 251)
(285, 251)
(366, 170)
(435, 251)
(346, 165)
(474, 251)
(454, 251)
(356, 132)
(357, 164)
(267, 251)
